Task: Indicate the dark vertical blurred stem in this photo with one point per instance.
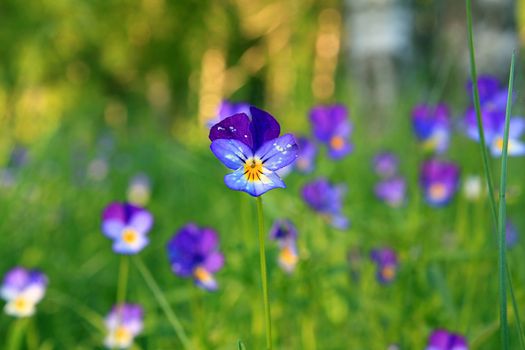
(264, 279)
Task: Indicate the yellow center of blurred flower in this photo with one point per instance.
(20, 304)
(437, 191)
(388, 272)
(288, 256)
(122, 335)
(129, 236)
(253, 169)
(499, 143)
(202, 274)
(337, 143)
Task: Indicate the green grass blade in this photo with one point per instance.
(240, 345)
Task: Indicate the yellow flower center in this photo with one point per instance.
(20, 304)
(337, 143)
(253, 169)
(388, 272)
(202, 274)
(288, 256)
(438, 191)
(129, 236)
(122, 335)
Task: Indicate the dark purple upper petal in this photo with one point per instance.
(264, 127)
(488, 86)
(426, 118)
(283, 230)
(236, 127)
(330, 121)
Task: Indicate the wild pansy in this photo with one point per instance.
(493, 101)
(385, 164)
(392, 191)
(22, 289)
(441, 339)
(227, 109)
(387, 264)
(326, 199)
(127, 225)
(431, 124)
(285, 233)
(306, 157)
(332, 127)
(194, 252)
(123, 324)
(139, 190)
(253, 148)
(439, 181)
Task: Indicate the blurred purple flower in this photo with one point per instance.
(332, 127)
(285, 233)
(391, 191)
(431, 125)
(511, 234)
(439, 181)
(441, 339)
(253, 148)
(387, 264)
(194, 252)
(22, 289)
(127, 225)
(123, 323)
(227, 109)
(326, 199)
(385, 164)
(306, 157)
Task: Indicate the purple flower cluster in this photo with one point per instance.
(392, 187)
(441, 339)
(332, 128)
(123, 323)
(326, 199)
(22, 289)
(493, 101)
(285, 233)
(387, 264)
(252, 147)
(439, 181)
(193, 252)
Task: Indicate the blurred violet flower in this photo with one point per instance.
(332, 127)
(22, 289)
(392, 191)
(123, 323)
(127, 225)
(387, 264)
(139, 190)
(194, 252)
(227, 109)
(511, 234)
(431, 125)
(441, 339)
(254, 149)
(439, 181)
(285, 233)
(493, 102)
(306, 156)
(385, 164)
(326, 199)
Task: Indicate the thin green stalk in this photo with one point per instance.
(161, 299)
(16, 334)
(264, 279)
(122, 279)
(502, 216)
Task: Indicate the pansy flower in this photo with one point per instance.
(306, 157)
(194, 252)
(123, 324)
(441, 339)
(326, 199)
(285, 233)
(227, 109)
(22, 289)
(387, 264)
(439, 181)
(431, 125)
(139, 190)
(392, 191)
(254, 149)
(385, 164)
(127, 225)
(332, 127)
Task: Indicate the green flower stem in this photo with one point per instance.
(16, 334)
(122, 280)
(161, 299)
(264, 279)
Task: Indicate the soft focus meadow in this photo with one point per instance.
(121, 225)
